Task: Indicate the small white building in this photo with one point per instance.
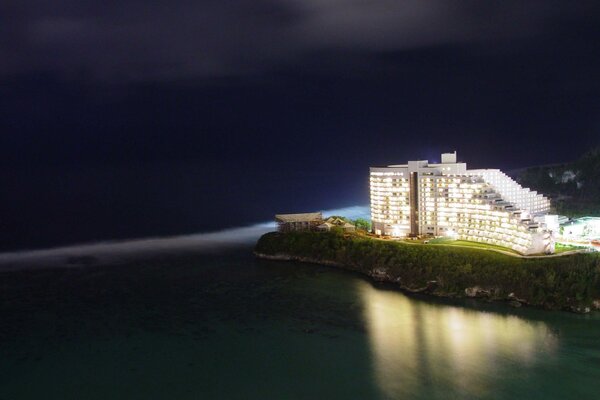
(333, 222)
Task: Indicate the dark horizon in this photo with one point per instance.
(133, 120)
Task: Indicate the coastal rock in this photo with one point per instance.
(512, 297)
(429, 287)
(380, 274)
(476, 291)
(432, 285)
(515, 303)
(596, 304)
(580, 309)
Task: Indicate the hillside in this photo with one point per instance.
(574, 187)
(570, 282)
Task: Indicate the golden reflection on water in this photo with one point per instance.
(416, 344)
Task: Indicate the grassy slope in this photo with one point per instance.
(465, 243)
(561, 282)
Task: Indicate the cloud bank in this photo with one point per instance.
(160, 39)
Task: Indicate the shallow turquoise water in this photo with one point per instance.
(227, 326)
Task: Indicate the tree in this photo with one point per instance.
(362, 224)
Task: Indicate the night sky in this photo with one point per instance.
(139, 118)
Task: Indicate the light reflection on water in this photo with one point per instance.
(415, 344)
(227, 326)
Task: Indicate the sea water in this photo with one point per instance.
(223, 325)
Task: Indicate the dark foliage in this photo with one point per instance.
(574, 187)
(554, 282)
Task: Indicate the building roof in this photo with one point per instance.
(338, 222)
(331, 225)
(326, 225)
(303, 217)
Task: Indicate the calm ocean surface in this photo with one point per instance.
(219, 324)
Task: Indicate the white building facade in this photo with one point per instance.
(447, 199)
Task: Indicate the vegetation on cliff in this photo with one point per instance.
(574, 187)
(555, 282)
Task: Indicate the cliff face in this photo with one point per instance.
(570, 282)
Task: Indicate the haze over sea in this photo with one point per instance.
(197, 316)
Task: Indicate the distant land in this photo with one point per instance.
(573, 187)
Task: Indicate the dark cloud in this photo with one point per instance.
(158, 117)
(166, 39)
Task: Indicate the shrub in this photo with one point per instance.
(555, 282)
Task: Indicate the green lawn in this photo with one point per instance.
(445, 241)
(466, 243)
(561, 248)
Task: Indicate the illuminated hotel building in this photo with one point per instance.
(447, 199)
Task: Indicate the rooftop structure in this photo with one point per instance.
(447, 199)
(298, 222)
(333, 222)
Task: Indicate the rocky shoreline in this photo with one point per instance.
(379, 274)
